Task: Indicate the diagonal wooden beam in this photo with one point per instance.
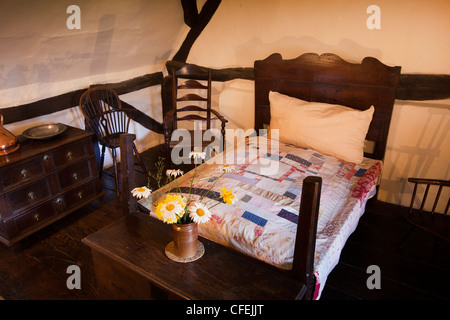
(190, 12)
(144, 119)
(135, 84)
(72, 99)
(205, 15)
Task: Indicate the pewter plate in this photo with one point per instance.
(45, 131)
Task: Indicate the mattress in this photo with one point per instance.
(267, 184)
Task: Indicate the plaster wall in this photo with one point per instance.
(413, 35)
(118, 40)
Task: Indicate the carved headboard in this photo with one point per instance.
(330, 79)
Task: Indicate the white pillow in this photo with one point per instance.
(331, 129)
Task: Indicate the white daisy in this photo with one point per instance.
(199, 213)
(141, 192)
(197, 155)
(227, 168)
(174, 173)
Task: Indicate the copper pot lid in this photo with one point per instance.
(8, 142)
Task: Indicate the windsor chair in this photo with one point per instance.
(105, 116)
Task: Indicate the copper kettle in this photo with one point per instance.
(8, 142)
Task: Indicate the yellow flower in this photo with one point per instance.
(141, 192)
(227, 195)
(199, 213)
(171, 208)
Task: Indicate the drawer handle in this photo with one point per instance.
(24, 173)
(46, 158)
(80, 195)
(31, 195)
(75, 176)
(58, 201)
(36, 217)
(69, 155)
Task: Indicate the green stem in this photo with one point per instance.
(212, 186)
(192, 182)
(214, 205)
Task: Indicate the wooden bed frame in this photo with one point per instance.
(330, 79)
(326, 78)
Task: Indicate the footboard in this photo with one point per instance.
(305, 241)
(303, 264)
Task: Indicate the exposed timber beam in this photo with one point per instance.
(71, 99)
(201, 20)
(225, 74)
(416, 87)
(144, 119)
(190, 12)
(421, 87)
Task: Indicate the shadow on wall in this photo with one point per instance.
(102, 46)
(418, 146)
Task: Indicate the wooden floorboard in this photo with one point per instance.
(417, 271)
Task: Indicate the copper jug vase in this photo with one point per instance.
(8, 142)
(185, 237)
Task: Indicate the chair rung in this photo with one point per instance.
(445, 183)
(192, 97)
(428, 183)
(192, 108)
(192, 84)
(192, 117)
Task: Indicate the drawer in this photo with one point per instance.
(70, 153)
(74, 174)
(31, 194)
(34, 217)
(79, 196)
(24, 171)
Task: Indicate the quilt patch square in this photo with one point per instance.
(360, 172)
(290, 195)
(254, 218)
(297, 159)
(288, 216)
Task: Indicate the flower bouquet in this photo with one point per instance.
(182, 210)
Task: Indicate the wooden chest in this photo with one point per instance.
(46, 180)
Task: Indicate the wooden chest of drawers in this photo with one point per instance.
(46, 180)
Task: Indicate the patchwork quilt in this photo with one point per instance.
(267, 183)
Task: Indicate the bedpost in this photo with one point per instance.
(127, 174)
(305, 243)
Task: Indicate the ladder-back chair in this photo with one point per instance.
(191, 101)
(435, 223)
(105, 116)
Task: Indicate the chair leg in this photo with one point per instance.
(102, 160)
(168, 157)
(116, 173)
(139, 159)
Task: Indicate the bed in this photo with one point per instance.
(270, 167)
